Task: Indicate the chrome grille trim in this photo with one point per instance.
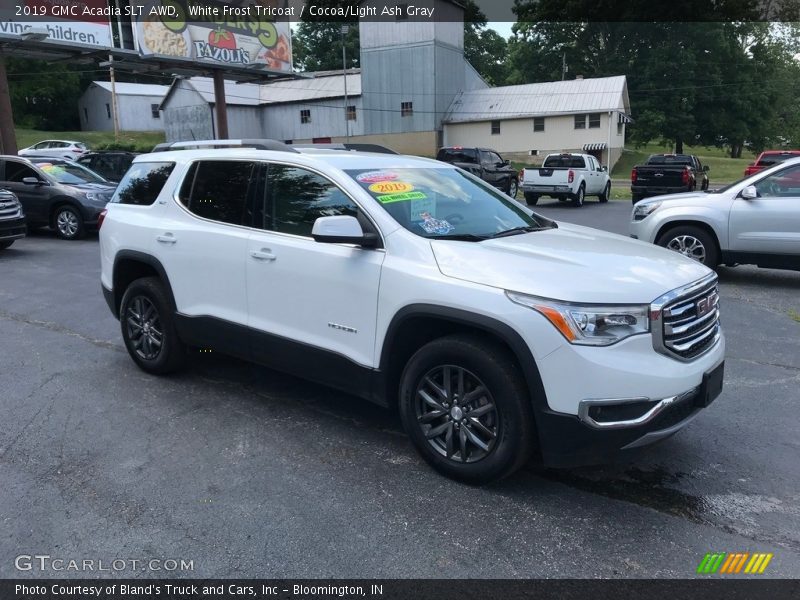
(677, 330)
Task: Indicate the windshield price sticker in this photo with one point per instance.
(385, 187)
(375, 176)
(389, 198)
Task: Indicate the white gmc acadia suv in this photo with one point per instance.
(496, 332)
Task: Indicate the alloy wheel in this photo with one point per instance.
(144, 328)
(688, 245)
(67, 223)
(457, 414)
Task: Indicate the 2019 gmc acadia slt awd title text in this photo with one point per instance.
(496, 332)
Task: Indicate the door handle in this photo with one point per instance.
(263, 254)
(166, 239)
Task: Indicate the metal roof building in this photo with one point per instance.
(137, 106)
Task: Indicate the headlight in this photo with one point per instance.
(97, 197)
(588, 324)
(642, 210)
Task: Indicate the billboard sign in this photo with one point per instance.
(83, 22)
(216, 33)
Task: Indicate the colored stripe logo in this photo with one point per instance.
(731, 563)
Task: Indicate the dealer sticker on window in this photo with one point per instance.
(405, 197)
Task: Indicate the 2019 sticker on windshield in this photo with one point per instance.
(435, 226)
(404, 197)
(386, 187)
(375, 176)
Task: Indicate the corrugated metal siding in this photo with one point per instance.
(282, 121)
(556, 97)
(187, 115)
(330, 86)
(134, 112)
(240, 94)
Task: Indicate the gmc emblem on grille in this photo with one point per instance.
(706, 305)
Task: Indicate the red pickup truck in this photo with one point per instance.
(769, 158)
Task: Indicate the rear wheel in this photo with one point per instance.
(465, 406)
(531, 198)
(606, 193)
(148, 328)
(693, 242)
(579, 197)
(68, 223)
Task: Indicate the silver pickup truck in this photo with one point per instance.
(753, 221)
(566, 177)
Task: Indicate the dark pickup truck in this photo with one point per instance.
(668, 174)
(484, 163)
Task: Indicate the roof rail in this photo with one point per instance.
(258, 144)
(377, 148)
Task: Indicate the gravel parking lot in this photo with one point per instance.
(247, 472)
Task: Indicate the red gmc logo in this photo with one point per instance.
(706, 305)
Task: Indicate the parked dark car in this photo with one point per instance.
(484, 163)
(12, 219)
(668, 174)
(111, 165)
(56, 192)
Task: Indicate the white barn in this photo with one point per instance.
(137, 107)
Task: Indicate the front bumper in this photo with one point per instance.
(646, 192)
(12, 229)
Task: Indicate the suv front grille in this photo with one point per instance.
(685, 322)
(9, 207)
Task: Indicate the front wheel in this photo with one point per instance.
(531, 198)
(606, 193)
(69, 223)
(693, 242)
(578, 198)
(148, 328)
(513, 188)
(465, 405)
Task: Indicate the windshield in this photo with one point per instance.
(769, 160)
(446, 203)
(669, 159)
(68, 173)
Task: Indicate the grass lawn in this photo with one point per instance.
(722, 169)
(143, 140)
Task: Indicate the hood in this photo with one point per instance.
(571, 263)
(691, 197)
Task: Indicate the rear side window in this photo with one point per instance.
(143, 183)
(566, 161)
(218, 190)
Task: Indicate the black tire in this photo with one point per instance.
(531, 198)
(691, 241)
(171, 353)
(68, 223)
(513, 187)
(579, 197)
(606, 194)
(510, 417)
(5, 244)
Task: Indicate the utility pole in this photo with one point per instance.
(220, 105)
(114, 98)
(563, 66)
(345, 30)
(8, 136)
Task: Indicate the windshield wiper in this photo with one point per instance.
(518, 230)
(460, 237)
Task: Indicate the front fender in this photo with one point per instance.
(670, 216)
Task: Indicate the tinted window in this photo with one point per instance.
(773, 159)
(219, 190)
(451, 155)
(677, 159)
(16, 171)
(565, 161)
(296, 198)
(143, 183)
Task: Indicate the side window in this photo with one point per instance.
(495, 158)
(783, 184)
(296, 198)
(486, 158)
(17, 171)
(219, 190)
(143, 183)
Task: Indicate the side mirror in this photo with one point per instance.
(506, 163)
(604, 169)
(749, 193)
(31, 181)
(342, 230)
(706, 169)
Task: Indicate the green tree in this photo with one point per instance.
(317, 46)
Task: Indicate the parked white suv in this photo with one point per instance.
(753, 221)
(498, 333)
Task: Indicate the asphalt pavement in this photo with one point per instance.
(250, 473)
